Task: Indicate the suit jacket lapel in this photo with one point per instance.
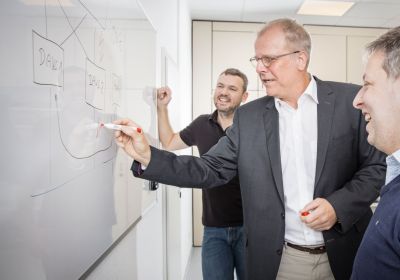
(325, 109)
(271, 124)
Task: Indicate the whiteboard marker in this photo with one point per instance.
(120, 127)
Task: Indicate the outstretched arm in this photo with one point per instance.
(170, 140)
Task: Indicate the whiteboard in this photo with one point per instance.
(66, 191)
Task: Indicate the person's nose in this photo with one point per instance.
(357, 102)
(260, 68)
(223, 91)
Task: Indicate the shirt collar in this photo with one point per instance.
(214, 117)
(393, 166)
(310, 91)
(394, 159)
(396, 155)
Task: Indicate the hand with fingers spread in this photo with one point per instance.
(318, 214)
(133, 142)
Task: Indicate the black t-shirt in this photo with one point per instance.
(222, 205)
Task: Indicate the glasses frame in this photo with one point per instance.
(268, 60)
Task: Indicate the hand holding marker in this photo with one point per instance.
(120, 127)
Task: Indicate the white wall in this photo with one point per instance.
(185, 108)
(140, 254)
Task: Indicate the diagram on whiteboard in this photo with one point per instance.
(83, 62)
(85, 74)
(68, 67)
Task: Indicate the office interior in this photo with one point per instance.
(193, 41)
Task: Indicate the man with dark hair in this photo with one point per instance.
(379, 100)
(222, 246)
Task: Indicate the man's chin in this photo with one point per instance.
(221, 107)
(270, 93)
(225, 110)
(370, 139)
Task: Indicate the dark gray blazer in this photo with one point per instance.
(349, 174)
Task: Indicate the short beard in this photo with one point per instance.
(227, 112)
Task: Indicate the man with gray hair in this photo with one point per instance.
(379, 100)
(307, 173)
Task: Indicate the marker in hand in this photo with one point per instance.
(120, 127)
(305, 213)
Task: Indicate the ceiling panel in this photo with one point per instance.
(318, 20)
(374, 10)
(273, 7)
(393, 22)
(364, 13)
(364, 22)
(216, 5)
(379, 1)
(258, 16)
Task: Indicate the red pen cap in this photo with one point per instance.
(305, 213)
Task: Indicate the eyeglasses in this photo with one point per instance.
(268, 60)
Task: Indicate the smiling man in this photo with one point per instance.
(222, 248)
(379, 100)
(302, 148)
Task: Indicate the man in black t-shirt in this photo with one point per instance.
(222, 248)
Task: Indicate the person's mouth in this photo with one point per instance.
(367, 117)
(267, 81)
(223, 99)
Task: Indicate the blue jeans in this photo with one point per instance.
(222, 252)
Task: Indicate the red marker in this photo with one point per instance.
(305, 213)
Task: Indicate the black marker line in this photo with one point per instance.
(45, 14)
(33, 65)
(55, 43)
(94, 107)
(86, 83)
(59, 186)
(111, 159)
(56, 187)
(42, 84)
(73, 30)
(83, 5)
(66, 16)
(65, 146)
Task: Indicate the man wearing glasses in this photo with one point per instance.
(307, 173)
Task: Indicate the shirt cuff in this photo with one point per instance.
(137, 168)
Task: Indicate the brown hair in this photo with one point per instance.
(389, 45)
(240, 74)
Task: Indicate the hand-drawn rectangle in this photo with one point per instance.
(48, 61)
(95, 85)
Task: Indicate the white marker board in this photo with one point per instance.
(66, 192)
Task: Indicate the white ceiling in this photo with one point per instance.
(364, 13)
